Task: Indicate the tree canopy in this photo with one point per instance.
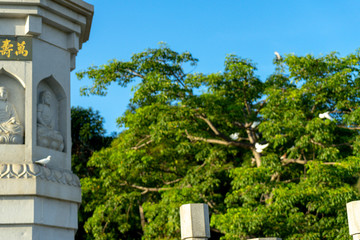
(88, 136)
(275, 157)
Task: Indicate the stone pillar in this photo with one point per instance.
(194, 220)
(38, 44)
(353, 214)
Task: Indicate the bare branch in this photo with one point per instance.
(331, 145)
(213, 128)
(240, 125)
(173, 181)
(275, 176)
(285, 161)
(317, 143)
(347, 127)
(141, 143)
(290, 180)
(154, 189)
(142, 217)
(217, 141)
(313, 108)
(134, 73)
(148, 189)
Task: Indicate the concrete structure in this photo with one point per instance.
(194, 219)
(38, 44)
(353, 214)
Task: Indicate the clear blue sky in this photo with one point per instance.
(210, 30)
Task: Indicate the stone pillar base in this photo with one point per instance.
(38, 203)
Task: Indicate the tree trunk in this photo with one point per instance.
(142, 217)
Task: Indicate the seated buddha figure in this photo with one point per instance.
(11, 130)
(47, 135)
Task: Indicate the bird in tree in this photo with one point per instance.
(325, 115)
(177, 147)
(260, 147)
(278, 56)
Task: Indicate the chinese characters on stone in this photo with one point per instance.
(7, 48)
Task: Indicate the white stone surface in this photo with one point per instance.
(36, 180)
(37, 232)
(353, 214)
(59, 29)
(194, 219)
(38, 202)
(356, 237)
(33, 25)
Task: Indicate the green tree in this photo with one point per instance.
(194, 138)
(88, 136)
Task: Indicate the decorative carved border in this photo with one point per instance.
(24, 171)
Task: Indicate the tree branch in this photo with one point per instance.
(173, 181)
(213, 128)
(139, 145)
(346, 127)
(285, 161)
(142, 217)
(331, 145)
(148, 189)
(217, 141)
(152, 189)
(134, 73)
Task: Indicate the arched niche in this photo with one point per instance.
(15, 98)
(54, 108)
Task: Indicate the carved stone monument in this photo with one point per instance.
(194, 221)
(39, 40)
(353, 214)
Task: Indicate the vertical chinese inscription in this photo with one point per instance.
(15, 48)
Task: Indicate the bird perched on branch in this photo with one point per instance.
(44, 161)
(234, 136)
(260, 147)
(278, 57)
(255, 124)
(325, 115)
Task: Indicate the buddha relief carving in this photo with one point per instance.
(11, 130)
(47, 135)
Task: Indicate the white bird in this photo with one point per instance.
(44, 161)
(255, 124)
(259, 148)
(278, 57)
(234, 136)
(325, 115)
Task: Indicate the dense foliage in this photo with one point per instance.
(88, 136)
(194, 138)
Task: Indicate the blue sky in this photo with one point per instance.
(210, 30)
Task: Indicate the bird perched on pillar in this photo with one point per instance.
(44, 161)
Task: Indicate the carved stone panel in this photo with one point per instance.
(11, 110)
(49, 134)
